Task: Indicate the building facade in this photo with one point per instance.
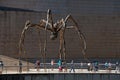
(99, 20)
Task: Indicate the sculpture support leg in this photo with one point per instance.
(61, 45)
(40, 44)
(44, 54)
(81, 36)
(63, 49)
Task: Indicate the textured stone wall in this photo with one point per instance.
(101, 32)
(11, 25)
(99, 20)
(63, 76)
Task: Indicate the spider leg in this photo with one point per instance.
(61, 25)
(49, 19)
(40, 45)
(28, 25)
(22, 37)
(62, 49)
(81, 36)
(61, 45)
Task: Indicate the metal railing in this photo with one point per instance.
(77, 66)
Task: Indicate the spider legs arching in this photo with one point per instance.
(62, 49)
(80, 34)
(22, 37)
(61, 45)
(40, 43)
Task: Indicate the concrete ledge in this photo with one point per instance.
(49, 71)
(63, 76)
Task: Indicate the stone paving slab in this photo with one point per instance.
(49, 71)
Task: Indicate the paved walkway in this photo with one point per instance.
(57, 71)
(12, 63)
(11, 66)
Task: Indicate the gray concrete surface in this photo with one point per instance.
(63, 76)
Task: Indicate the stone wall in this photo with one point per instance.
(60, 76)
(12, 23)
(99, 21)
(102, 38)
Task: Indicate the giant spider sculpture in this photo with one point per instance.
(55, 29)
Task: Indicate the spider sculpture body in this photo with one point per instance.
(55, 29)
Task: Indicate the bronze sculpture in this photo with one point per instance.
(55, 29)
